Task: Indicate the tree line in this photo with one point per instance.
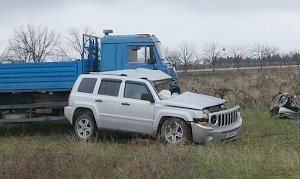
(216, 55)
(31, 43)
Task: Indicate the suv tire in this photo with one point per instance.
(175, 131)
(85, 127)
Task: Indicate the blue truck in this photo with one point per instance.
(39, 91)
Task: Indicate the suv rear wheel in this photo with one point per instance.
(85, 126)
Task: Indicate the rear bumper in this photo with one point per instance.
(68, 112)
(206, 134)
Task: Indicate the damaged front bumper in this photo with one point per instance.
(226, 128)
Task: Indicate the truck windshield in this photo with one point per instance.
(161, 52)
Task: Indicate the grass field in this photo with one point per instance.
(267, 148)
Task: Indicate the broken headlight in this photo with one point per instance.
(203, 121)
(213, 120)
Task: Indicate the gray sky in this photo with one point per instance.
(274, 22)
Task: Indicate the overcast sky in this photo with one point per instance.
(273, 22)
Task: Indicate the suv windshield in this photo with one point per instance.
(162, 85)
(161, 52)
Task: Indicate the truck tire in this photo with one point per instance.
(175, 131)
(85, 127)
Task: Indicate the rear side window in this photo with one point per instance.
(87, 85)
(109, 87)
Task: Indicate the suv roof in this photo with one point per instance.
(140, 73)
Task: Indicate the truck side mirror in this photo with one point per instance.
(147, 97)
(151, 60)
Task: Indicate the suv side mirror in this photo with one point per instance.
(147, 97)
(151, 61)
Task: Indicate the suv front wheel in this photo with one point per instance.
(85, 127)
(175, 131)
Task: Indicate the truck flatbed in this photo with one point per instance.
(39, 77)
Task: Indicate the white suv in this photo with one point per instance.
(139, 101)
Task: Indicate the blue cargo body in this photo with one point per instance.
(39, 77)
(112, 52)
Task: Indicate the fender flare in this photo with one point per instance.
(90, 106)
(186, 116)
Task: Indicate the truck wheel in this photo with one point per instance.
(175, 131)
(85, 127)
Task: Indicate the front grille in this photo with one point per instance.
(226, 117)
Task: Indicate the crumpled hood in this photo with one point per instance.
(192, 100)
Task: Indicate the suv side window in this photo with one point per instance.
(109, 87)
(135, 90)
(87, 85)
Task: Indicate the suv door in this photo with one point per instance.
(136, 114)
(107, 103)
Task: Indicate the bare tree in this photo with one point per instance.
(2, 57)
(270, 53)
(1, 52)
(213, 50)
(167, 51)
(296, 57)
(285, 58)
(185, 54)
(32, 44)
(74, 39)
(172, 56)
(259, 51)
(11, 55)
(238, 53)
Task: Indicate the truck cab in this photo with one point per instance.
(119, 52)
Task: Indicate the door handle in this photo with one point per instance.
(125, 104)
(98, 100)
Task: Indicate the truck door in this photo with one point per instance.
(135, 114)
(140, 56)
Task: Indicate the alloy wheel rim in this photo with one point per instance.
(84, 128)
(173, 132)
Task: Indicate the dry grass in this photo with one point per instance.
(244, 86)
